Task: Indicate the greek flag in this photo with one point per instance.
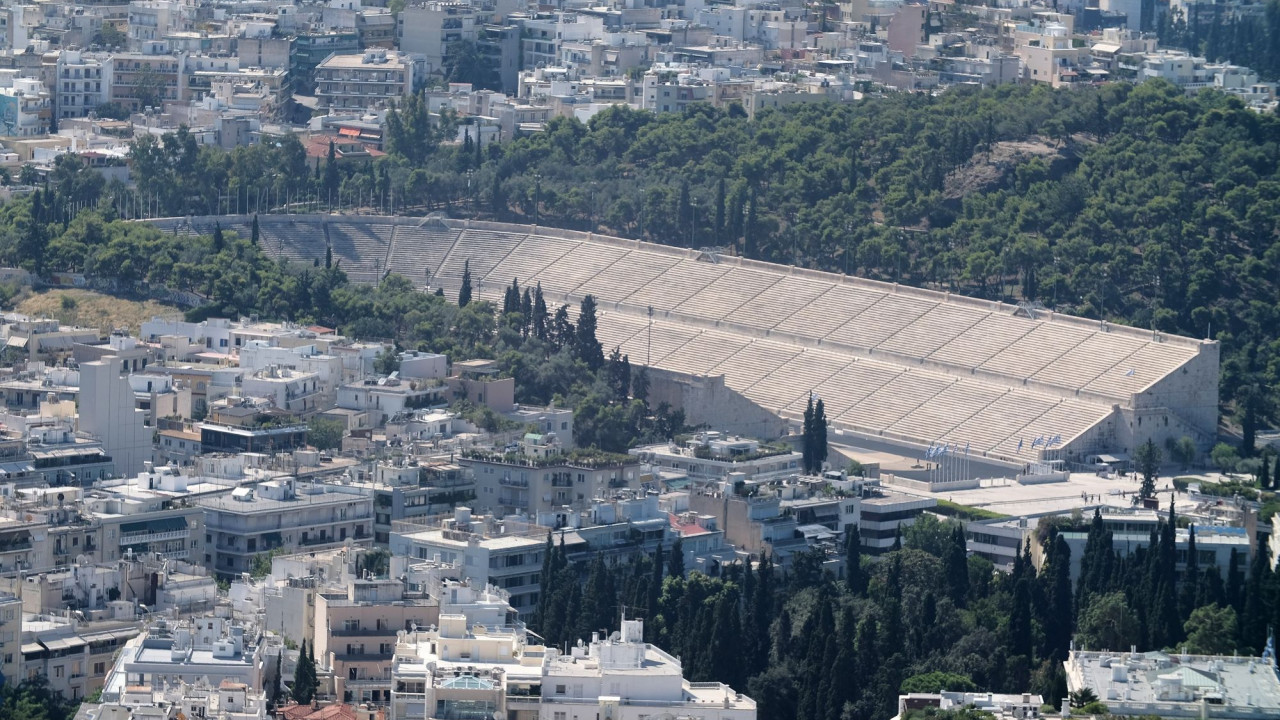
(1019, 444)
(1037, 442)
(1129, 372)
(966, 448)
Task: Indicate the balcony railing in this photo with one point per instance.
(141, 537)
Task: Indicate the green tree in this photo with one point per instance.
(324, 433)
(1107, 623)
(1147, 460)
(305, 681)
(1211, 630)
(464, 292)
(1224, 457)
(937, 681)
(586, 347)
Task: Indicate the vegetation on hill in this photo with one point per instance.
(1155, 209)
(86, 308)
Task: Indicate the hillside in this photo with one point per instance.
(92, 309)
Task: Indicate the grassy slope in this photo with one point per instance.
(91, 309)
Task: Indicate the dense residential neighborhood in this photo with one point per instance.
(733, 360)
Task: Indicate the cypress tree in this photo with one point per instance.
(218, 240)
(675, 561)
(464, 292)
(539, 314)
(253, 231)
(956, 567)
(328, 258)
(854, 576)
(526, 312)
(587, 347)
(276, 690)
(1190, 578)
(331, 173)
(806, 438)
(819, 435)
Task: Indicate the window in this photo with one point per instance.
(560, 691)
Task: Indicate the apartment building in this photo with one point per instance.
(73, 656)
(541, 478)
(82, 85)
(285, 515)
(479, 662)
(139, 81)
(356, 630)
(429, 28)
(25, 108)
(504, 553)
(372, 78)
(210, 650)
(625, 678)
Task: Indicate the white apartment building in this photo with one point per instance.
(624, 678)
(362, 81)
(82, 84)
(282, 514)
(204, 649)
(258, 355)
(108, 411)
(25, 108)
(293, 391)
(478, 663)
(506, 553)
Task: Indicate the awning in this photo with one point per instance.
(30, 648)
(1111, 459)
(64, 643)
(349, 132)
(15, 341)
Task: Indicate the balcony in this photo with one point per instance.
(149, 537)
(513, 482)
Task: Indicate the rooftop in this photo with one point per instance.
(1175, 685)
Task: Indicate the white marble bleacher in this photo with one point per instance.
(795, 378)
(1148, 363)
(624, 277)
(759, 359)
(854, 382)
(676, 285)
(932, 330)
(1081, 364)
(828, 312)
(1067, 418)
(528, 259)
(891, 402)
(1031, 352)
(361, 248)
(880, 321)
(417, 252)
(569, 271)
(719, 299)
(707, 350)
(990, 427)
(953, 406)
(483, 249)
(665, 339)
(979, 343)
(294, 240)
(614, 329)
(779, 302)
